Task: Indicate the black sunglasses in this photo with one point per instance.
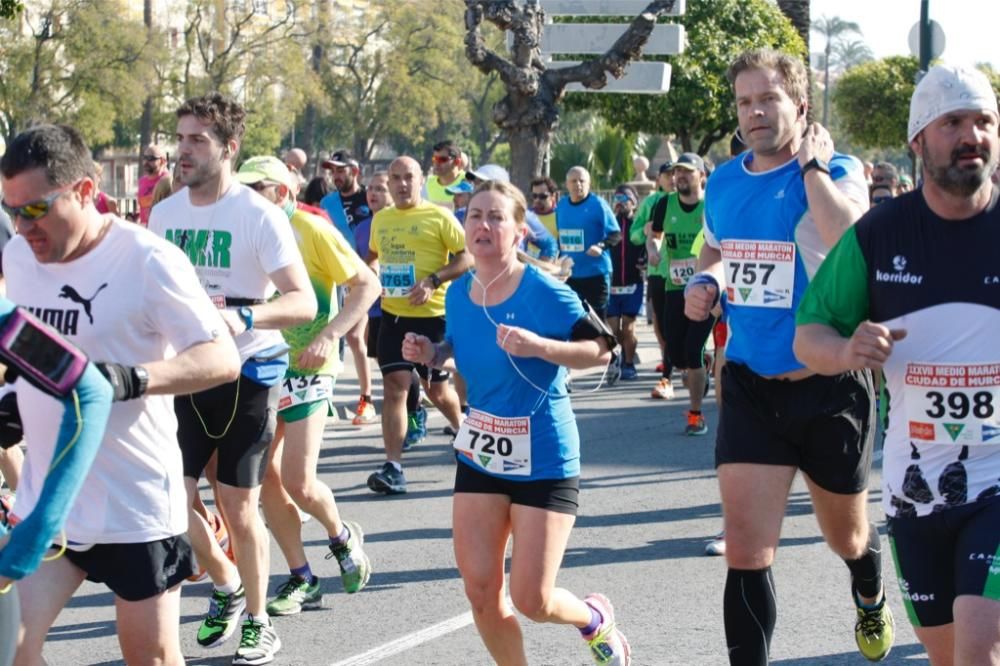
(541, 195)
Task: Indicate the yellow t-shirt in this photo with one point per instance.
(411, 244)
(436, 193)
(329, 262)
(549, 220)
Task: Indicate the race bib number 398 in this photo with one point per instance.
(953, 403)
(759, 273)
(501, 445)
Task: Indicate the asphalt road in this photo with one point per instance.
(649, 502)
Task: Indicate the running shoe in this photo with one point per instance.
(258, 644)
(659, 367)
(664, 390)
(449, 431)
(294, 595)
(365, 413)
(608, 646)
(223, 615)
(875, 631)
(696, 424)
(388, 480)
(355, 567)
(629, 373)
(416, 428)
(614, 372)
(716, 546)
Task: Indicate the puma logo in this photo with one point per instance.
(72, 294)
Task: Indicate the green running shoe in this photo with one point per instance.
(223, 615)
(355, 567)
(875, 631)
(608, 646)
(294, 595)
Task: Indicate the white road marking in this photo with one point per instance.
(409, 641)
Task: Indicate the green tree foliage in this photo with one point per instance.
(394, 75)
(699, 108)
(10, 8)
(872, 101)
(64, 61)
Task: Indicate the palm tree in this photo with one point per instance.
(798, 12)
(847, 54)
(835, 29)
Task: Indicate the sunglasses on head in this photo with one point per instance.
(622, 198)
(261, 185)
(34, 210)
(442, 159)
(881, 199)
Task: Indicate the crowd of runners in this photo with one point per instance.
(823, 294)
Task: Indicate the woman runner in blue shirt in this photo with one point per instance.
(513, 331)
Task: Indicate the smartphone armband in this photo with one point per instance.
(39, 354)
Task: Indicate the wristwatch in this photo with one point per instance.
(142, 375)
(815, 163)
(246, 314)
(601, 244)
(435, 280)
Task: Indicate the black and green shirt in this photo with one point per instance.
(904, 267)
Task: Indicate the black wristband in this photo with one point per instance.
(11, 431)
(127, 382)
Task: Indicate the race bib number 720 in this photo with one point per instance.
(953, 403)
(759, 273)
(497, 444)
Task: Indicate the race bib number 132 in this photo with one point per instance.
(759, 273)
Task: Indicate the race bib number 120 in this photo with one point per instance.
(501, 445)
(953, 403)
(759, 273)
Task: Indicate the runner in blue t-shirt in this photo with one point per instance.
(587, 228)
(771, 216)
(512, 331)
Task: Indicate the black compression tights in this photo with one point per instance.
(749, 612)
(413, 395)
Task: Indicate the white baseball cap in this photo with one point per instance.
(947, 88)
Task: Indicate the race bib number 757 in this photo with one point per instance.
(759, 273)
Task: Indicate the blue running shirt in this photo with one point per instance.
(771, 249)
(550, 309)
(581, 225)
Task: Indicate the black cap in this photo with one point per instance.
(691, 162)
(666, 166)
(340, 158)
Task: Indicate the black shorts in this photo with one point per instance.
(656, 288)
(374, 323)
(558, 495)
(944, 555)
(685, 339)
(390, 344)
(237, 419)
(595, 290)
(822, 425)
(137, 571)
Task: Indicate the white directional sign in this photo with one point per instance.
(649, 78)
(603, 7)
(596, 38)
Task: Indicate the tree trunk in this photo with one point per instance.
(797, 12)
(146, 122)
(528, 147)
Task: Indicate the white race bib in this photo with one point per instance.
(953, 403)
(682, 270)
(497, 444)
(397, 279)
(571, 240)
(759, 273)
(303, 390)
(624, 290)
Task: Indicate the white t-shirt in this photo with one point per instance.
(132, 299)
(234, 244)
